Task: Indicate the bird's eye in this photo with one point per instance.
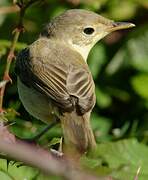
(89, 30)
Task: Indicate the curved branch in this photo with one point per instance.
(43, 160)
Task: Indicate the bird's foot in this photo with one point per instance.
(56, 153)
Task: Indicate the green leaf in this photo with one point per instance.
(138, 52)
(3, 51)
(123, 157)
(121, 10)
(3, 16)
(6, 44)
(103, 99)
(101, 126)
(116, 62)
(133, 53)
(119, 93)
(22, 173)
(144, 3)
(140, 85)
(96, 59)
(90, 163)
(58, 11)
(15, 173)
(96, 5)
(54, 141)
(5, 175)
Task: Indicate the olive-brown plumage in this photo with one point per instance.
(54, 79)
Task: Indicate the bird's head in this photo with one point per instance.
(81, 29)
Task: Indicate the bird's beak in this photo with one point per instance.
(119, 25)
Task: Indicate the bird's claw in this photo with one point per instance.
(56, 153)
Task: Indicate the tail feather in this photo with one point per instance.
(77, 131)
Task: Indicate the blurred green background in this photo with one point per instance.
(119, 64)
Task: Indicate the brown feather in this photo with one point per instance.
(59, 79)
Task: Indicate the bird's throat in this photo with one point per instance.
(83, 50)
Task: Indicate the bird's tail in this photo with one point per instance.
(77, 132)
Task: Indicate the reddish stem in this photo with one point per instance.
(10, 57)
(23, 7)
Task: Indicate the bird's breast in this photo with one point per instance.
(35, 103)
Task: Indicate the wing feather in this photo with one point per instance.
(68, 85)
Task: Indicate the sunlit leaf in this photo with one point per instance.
(123, 158)
(121, 10)
(54, 141)
(7, 44)
(14, 172)
(97, 58)
(101, 126)
(140, 85)
(103, 99)
(134, 53)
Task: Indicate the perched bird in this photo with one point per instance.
(54, 80)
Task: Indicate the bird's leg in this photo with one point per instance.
(58, 153)
(61, 145)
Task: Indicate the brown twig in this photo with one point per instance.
(10, 57)
(12, 148)
(23, 7)
(44, 161)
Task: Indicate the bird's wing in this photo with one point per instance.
(80, 84)
(69, 86)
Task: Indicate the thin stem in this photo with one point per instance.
(23, 7)
(40, 134)
(10, 57)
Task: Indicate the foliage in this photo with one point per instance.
(108, 155)
(119, 65)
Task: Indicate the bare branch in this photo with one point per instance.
(30, 154)
(43, 160)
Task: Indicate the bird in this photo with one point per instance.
(53, 77)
